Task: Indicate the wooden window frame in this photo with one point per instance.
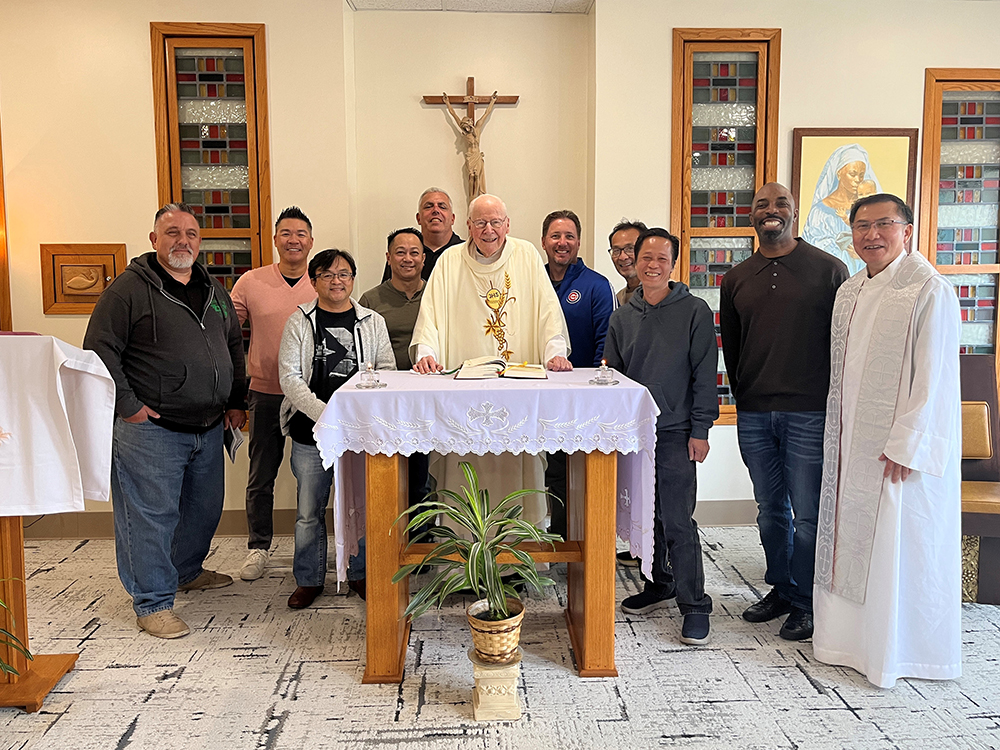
(937, 81)
(686, 43)
(163, 38)
(6, 319)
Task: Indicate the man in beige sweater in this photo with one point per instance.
(266, 297)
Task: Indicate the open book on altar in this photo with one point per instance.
(481, 368)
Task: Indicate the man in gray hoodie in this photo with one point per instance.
(664, 338)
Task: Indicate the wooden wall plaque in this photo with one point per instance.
(73, 276)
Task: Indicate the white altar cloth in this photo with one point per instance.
(424, 413)
(57, 407)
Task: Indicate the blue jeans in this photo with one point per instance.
(167, 491)
(314, 483)
(783, 450)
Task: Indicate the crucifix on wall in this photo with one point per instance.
(471, 130)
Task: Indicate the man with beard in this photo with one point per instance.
(170, 336)
(775, 311)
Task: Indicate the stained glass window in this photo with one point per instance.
(210, 98)
(212, 123)
(967, 211)
(723, 138)
(724, 150)
(711, 257)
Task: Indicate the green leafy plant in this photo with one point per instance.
(9, 639)
(492, 532)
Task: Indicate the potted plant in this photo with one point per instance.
(472, 563)
(9, 639)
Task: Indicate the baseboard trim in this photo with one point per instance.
(100, 525)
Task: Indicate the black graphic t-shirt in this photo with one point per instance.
(334, 361)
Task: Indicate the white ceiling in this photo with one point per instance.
(480, 6)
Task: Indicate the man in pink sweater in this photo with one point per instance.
(266, 296)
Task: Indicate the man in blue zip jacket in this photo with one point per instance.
(587, 300)
(170, 336)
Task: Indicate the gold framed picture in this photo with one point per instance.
(833, 167)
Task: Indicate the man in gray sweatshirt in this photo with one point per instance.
(664, 338)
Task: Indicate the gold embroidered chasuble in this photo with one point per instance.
(507, 308)
(503, 309)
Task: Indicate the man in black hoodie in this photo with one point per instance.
(664, 338)
(170, 337)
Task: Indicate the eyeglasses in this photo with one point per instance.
(495, 223)
(882, 225)
(328, 277)
(616, 251)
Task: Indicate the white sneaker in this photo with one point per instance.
(255, 563)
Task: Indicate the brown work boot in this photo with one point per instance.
(208, 579)
(303, 596)
(163, 624)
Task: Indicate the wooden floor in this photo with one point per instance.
(254, 674)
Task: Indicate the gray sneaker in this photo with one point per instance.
(645, 601)
(256, 562)
(696, 630)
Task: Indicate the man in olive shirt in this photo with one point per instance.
(775, 312)
(398, 301)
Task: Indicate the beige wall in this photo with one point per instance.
(857, 63)
(352, 143)
(536, 151)
(79, 162)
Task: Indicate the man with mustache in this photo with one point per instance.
(775, 312)
(170, 337)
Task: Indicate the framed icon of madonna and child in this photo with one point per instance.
(833, 167)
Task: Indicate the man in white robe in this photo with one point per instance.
(888, 549)
(491, 296)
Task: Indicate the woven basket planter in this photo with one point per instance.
(495, 641)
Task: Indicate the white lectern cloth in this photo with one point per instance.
(424, 413)
(57, 409)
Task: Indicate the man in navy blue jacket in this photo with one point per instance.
(587, 301)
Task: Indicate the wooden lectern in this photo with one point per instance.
(38, 676)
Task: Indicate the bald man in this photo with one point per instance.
(491, 296)
(775, 312)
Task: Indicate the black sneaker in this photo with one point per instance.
(625, 558)
(768, 608)
(645, 602)
(798, 625)
(696, 630)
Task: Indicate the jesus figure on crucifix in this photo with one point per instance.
(475, 164)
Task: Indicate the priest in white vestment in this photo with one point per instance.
(491, 296)
(887, 594)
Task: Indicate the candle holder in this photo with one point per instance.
(604, 376)
(369, 378)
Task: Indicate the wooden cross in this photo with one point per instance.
(470, 100)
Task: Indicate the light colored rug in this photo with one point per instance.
(254, 674)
